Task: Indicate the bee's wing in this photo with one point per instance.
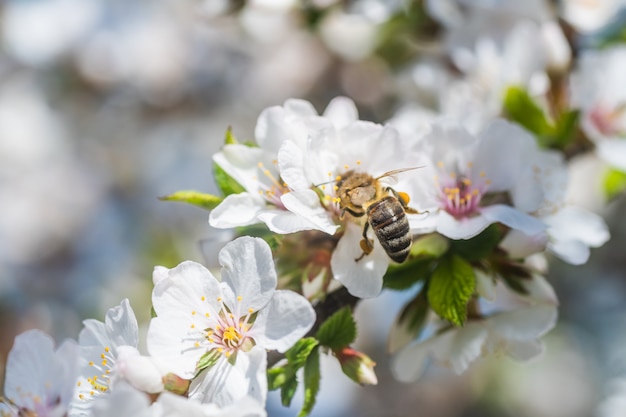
(391, 176)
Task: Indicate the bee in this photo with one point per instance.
(360, 194)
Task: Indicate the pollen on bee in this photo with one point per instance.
(404, 197)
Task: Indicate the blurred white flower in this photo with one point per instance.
(170, 405)
(515, 333)
(352, 36)
(540, 190)
(39, 380)
(598, 89)
(38, 32)
(464, 172)
(228, 324)
(123, 400)
(589, 16)
(109, 354)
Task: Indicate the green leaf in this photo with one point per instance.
(277, 376)
(288, 390)
(565, 129)
(229, 138)
(450, 288)
(196, 198)
(405, 275)
(614, 183)
(409, 323)
(339, 330)
(478, 247)
(311, 382)
(522, 108)
(225, 182)
(298, 353)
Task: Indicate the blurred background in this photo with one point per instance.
(105, 105)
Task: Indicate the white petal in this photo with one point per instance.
(513, 218)
(341, 111)
(573, 252)
(409, 363)
(520, 245)
(485, 285)
(307, 204)
(364, 278)
(159, 273)
(284, 222)
(524, 324)
(465, 228)
(121, 324)
(242, 163)
(236, 210)
(291, 166)
(139, 370)
(613, 151)
(539, 290)
(248, 269)
(283, 321)
(575, 223)
(225, 384)
(523, 351)
(124, 400)
(458, 348)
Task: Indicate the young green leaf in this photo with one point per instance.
(614, 183)
(311, 382)
(288, 389)
(225, 182)
(339, 330)
(298, 353)
(521, 108)
(450, 288)
(277, 376)
(229, 137)
(405, 275)
(478, 247)
(196, 198)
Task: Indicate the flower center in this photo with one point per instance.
(99, 382)
(459, 195)
(607, 120)
(272, 189)
(227, 333)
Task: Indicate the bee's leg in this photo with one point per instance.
(366, 244)
(404, 200)
(349, 210)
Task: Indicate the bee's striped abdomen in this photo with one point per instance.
(388, 220)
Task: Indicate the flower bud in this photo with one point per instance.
(358, 366)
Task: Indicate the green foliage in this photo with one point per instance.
(478, 247)
(225, 182)
(614, 183)
(521, 108)
(312, 378)
(450, 288)
(196, 198)
(405, 275)
(338, 331)
(229, 137)
(303, 354)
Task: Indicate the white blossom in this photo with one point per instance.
(228, 323)
(39, 380)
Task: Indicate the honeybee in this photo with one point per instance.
(360, 194)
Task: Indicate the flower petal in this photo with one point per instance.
(613, 151)
(286, 318)
(248, 269)
(306, 204)
(291, 166)
(524, 324)
(409, 363)
(341, 111)
(236, 210)
(465, 228)
(364, 278)
(139, 370)
(225, 384)
(513, 218)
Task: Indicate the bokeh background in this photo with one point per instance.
(105, 105)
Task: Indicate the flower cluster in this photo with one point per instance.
(457, 195)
